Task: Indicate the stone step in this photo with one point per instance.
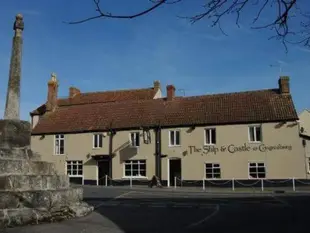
(40, 199)
(27, 216)
(26, 167)
(19, 153)
(33, 182)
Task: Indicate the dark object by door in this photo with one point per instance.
(103, 171)
(175, 171)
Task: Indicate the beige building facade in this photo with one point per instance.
(304, 129)
(189, 153)
(174, 138)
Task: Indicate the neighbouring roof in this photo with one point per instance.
(230, 108)
(101, 97)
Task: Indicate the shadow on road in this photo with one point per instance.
(229, 214)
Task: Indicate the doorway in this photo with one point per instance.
(175, 171)
(103, 170)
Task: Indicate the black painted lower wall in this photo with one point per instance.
(212, 183)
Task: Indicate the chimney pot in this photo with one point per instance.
(73, 91)
(284, 84)
(52, 93)
(170, 92)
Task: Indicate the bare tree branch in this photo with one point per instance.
(109, 15)
(215, 10)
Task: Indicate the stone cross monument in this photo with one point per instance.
(13, 92)
(31, 191)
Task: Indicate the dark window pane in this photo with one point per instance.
(177, 138)
(74, 172)
(135, 173)
(251, 132)
(172, 136)
(143, 166)
(258, 133)
(142, 172)
(137, 139)
(261, 175)
(95, 141)
(127, 172)
(213, 136)
(100, 140)
(208, 165)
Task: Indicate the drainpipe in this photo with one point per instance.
(158, 152)
(111, 135)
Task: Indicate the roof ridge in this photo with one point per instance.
(117, 90)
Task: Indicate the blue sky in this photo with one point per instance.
(116, 54)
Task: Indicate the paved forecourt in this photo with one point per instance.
(161, 210)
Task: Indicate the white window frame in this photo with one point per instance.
(255, 139)
(137, 134)
(96, 137)
(209, 130)
(256, 166)
(131, 162)
(213, 167)
(78, 162)
(59, 137)
(308, 164)
(169, 138)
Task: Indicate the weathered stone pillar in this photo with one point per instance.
(13, 93)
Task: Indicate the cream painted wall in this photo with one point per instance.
(279, 163)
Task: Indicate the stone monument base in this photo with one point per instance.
(31, 191)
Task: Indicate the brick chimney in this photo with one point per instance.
(73, 91)
(170, 92)
(52, 93)
(284, 84)
(156, 85)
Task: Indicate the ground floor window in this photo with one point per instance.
(213, 171)
(135, 168)
(75, 171)
(257, 170)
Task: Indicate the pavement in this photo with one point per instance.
(137, 210)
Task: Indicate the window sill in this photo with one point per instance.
(79, 176)
(255, 142)
(58, 154)
(209, 144)
(171, 146)
(97, 148)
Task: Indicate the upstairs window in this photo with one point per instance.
(174, 138)
(255, 133)
(210, 136)
(59, 144)
(97, 141)
(135, 139)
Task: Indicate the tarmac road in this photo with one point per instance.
(154, 210)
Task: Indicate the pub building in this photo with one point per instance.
(134, 134)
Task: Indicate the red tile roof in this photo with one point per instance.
(102, 97)
(230, 108)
